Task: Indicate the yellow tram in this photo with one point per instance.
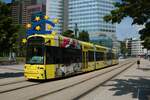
(51, 56)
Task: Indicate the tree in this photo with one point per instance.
(8, 31)
(138, 10)
(123, 49)
(68, 33)
(84, 36)
(21, 47)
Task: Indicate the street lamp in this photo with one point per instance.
(76, 29)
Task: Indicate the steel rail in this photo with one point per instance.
(58, 90)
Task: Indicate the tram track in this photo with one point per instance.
(30, 85)
(83, 81)
(14, 76)
(17, 88)
(16, 84)
(92, 89)
(9, 83)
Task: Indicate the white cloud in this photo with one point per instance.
(138, 27)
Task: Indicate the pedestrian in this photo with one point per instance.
(138, 63)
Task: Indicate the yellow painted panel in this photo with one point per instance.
(50, 71)
(52, 42)
(114, 61)
(91, 66)
(100, 64)
(34, 71)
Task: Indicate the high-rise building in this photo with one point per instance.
(16, 12)
(65, 14)
(25, 4)
(85, 15)
(32, 11)
(88, 15)
(55, 9)
(22, 8)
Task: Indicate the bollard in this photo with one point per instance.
(138, 63)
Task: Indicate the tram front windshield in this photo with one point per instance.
(35, 55)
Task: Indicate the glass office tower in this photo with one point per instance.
(88, 15)
(54, 9)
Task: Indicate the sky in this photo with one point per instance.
(126, 30)
(123, 30)
(7, 1)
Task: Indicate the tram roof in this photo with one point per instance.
(41, 35)
(51, 36)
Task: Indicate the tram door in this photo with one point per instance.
(85, 59)
(109, 58)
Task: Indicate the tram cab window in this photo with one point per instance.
(35, 55)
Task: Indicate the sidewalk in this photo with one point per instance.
(133, 84)
(15, 66)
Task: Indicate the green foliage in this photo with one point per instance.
(68, 33)
(146, 42)
(138, 10)
(8, 31)
(123, 48)
(21, 47)
(22, 31)
(84, 36)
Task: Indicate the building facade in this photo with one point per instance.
(128, 43)
(22, 10)
(137, 48)
(88, 15)
(55, 9)
(16, 12)
(84, 15)
(19, 11)
(33, 10)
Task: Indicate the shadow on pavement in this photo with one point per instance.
(144, 69)
(137, 76)
(8, 74)
(130, 86)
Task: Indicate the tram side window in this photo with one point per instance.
(109, 56)
(113, 56)
(71, 55)
(56, 55)
(53, 55)
(90, 55)
(99, 56)
(49, 56)
(117, 56)
(102, 55)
